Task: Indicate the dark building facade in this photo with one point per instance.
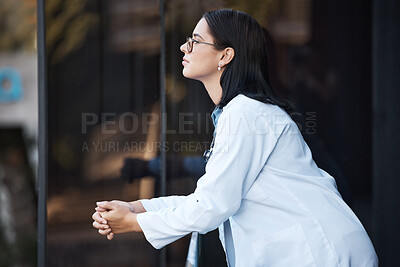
(118, 120)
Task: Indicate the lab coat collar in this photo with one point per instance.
(217, 111)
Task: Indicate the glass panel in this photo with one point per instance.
(103, 122)
(18, 133)
(305, 67)
(104, 102)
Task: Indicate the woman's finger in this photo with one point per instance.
(110, 236)
(97, 217)
(98, 209)
(104, 232)
(100, 226)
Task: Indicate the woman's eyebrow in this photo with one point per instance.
(196, 34)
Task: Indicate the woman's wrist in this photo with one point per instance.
(131, 207)
(135, 227)
(137, 206)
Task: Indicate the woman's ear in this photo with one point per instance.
(227, 55)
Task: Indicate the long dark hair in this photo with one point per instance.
(247, 73)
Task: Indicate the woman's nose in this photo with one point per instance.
(183, 48)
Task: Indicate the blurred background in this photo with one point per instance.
(93, 106)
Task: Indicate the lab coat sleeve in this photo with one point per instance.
(158, 203)
(242, 145)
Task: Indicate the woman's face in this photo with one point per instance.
(202, 62)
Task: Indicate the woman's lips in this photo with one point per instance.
(184, 61)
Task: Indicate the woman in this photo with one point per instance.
(272, 204)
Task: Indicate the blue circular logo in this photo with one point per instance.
(10, 85)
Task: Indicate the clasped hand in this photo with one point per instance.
(114, 217)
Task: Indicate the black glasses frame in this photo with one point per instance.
(190, 41)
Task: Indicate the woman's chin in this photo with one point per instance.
(186, 73)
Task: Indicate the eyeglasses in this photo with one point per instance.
(190, 41)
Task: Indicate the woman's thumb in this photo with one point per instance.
(105, 205)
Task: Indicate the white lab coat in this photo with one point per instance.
(272, 204)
